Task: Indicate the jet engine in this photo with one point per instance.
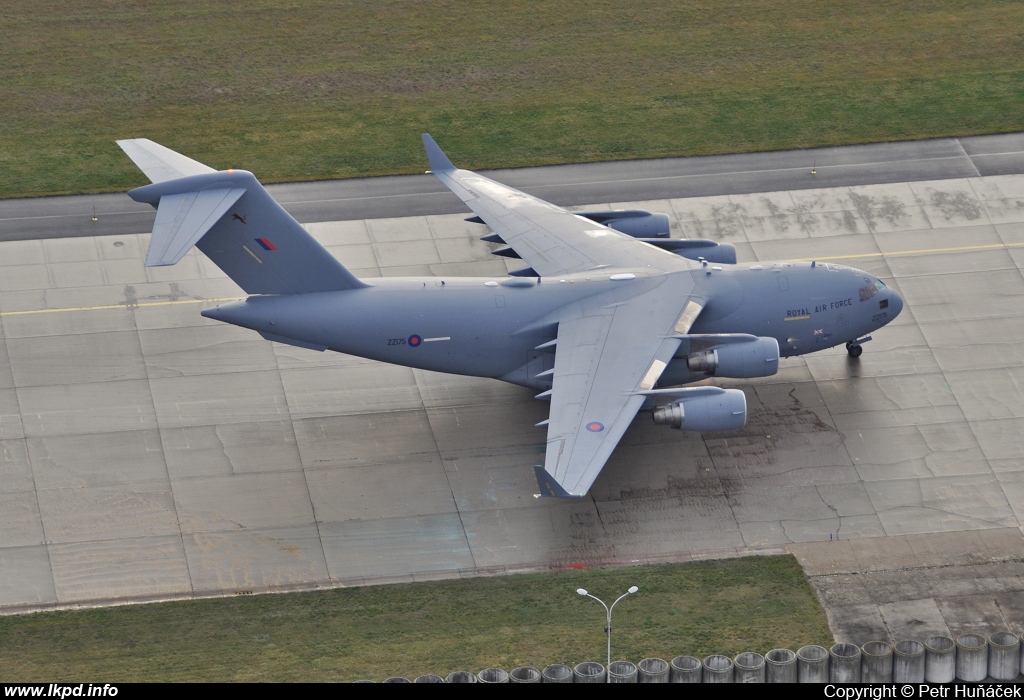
(654, 229)
(632, 222)
(709, 408)
(697, 248)
(756, 357)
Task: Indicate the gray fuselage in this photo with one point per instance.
(493, 327)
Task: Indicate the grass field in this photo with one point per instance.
(729, 606)
(324, 89)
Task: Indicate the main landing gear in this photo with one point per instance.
(853, 347)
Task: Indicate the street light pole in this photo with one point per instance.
(608, 629)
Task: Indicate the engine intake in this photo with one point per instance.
(725, 409)
(757, 357)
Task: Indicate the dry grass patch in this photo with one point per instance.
(729, 606)
(325, 89)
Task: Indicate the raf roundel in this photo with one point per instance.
(595, 427)
(415, 340)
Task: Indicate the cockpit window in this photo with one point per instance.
(872, 289)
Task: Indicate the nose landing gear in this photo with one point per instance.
(853, 347)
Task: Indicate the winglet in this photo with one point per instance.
(548, 486)
(439, 162)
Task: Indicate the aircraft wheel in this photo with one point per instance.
(854, 350)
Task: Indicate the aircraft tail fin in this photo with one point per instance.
(231, 218)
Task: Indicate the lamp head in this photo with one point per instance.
(633, 589)
(581, 591)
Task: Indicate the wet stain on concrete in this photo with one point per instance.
(958, 205)
(871, 208)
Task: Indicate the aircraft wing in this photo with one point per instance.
(550, 239)
(606, 355)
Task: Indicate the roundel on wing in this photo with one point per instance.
(595, 427)
(415, 340)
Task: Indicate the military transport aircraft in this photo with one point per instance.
(607, 317)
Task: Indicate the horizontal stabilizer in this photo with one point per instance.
(160, 163)
(182, 219)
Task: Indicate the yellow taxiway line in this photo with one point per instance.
(922, 251)
(118, 306)
(148, 304)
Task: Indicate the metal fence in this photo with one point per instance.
(969, 658)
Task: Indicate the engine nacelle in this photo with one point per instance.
(725, 409)
(758, 357)
(697, 248)
(632, 222)
(719, 253)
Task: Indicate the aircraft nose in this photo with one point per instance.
(895, 304)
